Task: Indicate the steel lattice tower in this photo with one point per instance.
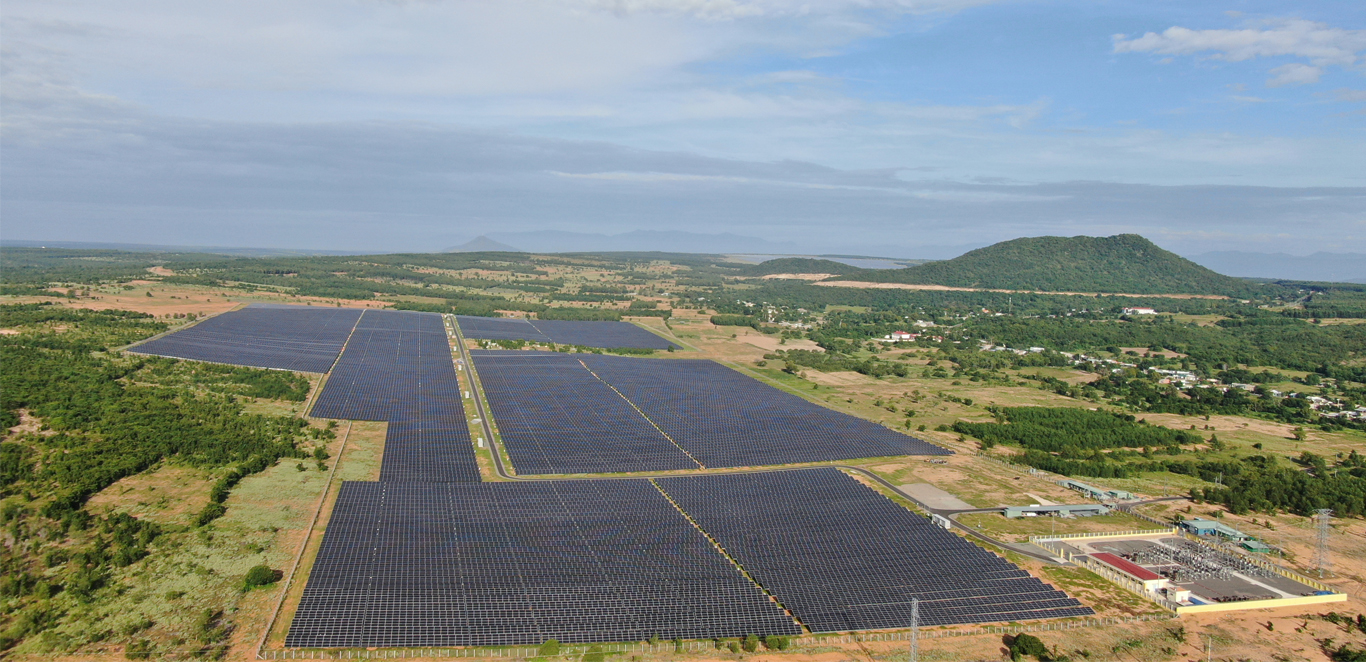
(1321, 556)
(915, 629)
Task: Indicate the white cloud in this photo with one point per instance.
(1348, 94)
(1294, 74)
(1321, 44)
(742, 9)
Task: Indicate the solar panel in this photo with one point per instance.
(556, 417)
(397, 367)
(606, 335)
(302, 338)
(588, 413)
(410, 564)
(726, 419)
(843, 557)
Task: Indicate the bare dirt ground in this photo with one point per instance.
(172, 300)
(773, 344)
(798, 276)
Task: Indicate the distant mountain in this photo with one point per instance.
(1125, 263)
(482, 244)
(1327, 267)
(161, 248)
(555, 241)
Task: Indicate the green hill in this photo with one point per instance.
(1125, 263)
(800, 265)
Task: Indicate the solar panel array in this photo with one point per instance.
(398, 368)
(406, 564)
(606, 335)
(843, 557)
(556, 417)
(581, 413)
(303, 338)
(726, 419)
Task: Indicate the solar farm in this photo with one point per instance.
(397, 367)
(302, 338)
(843, 557)
(407, 564)
(606, 335)
(433, 555)
(554, 412)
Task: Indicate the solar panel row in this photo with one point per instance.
(303, 338)
(555, 417)
(407, 564)
(843, 557)
(397, 367)
(582, 413)
(607, 335)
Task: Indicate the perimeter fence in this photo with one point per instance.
(522, 653)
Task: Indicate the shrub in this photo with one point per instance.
(594, 654)
(751, 643)
(1027, 644)
(260, 576)
(777, 642)
(210, 513)
(734, 646)
(550, 647)
(138, 650)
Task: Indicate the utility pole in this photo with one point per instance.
(915, 629)
(1321, 556)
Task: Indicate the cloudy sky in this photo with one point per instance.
(869, 126)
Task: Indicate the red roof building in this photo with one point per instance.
(1127, 567)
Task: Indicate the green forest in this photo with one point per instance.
(1083, 442)
(104, 417)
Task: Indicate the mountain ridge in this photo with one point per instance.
(1119, 264)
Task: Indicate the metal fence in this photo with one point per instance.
(522, 653)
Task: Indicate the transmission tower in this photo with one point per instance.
(1321, 557)
(915, 629)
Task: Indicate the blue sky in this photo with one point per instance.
(873, 126)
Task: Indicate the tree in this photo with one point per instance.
(260, 576)
(1027, 644)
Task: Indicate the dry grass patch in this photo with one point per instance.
(168, 494)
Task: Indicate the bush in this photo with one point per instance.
(550, 647)
(210, 513)
(1027, 644)
(594, 654)
(734, 646)
(138, 650)
(777, 642)
(751, 643)
(260, 576)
